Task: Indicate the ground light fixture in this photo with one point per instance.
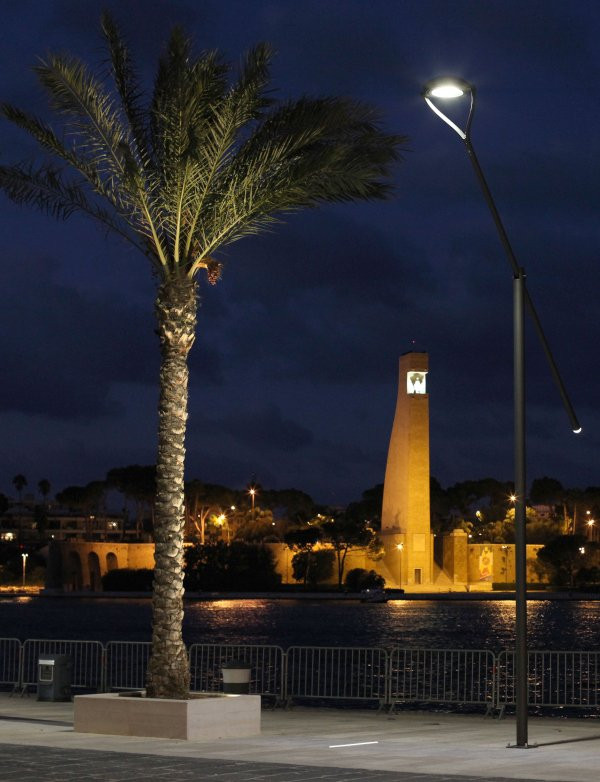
(452, 89)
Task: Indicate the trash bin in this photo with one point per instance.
(236, 677)
(54, 677)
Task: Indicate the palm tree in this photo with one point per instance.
(206, 161)
(19, 482)
(44, 487)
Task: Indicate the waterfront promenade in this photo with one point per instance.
(301, 745)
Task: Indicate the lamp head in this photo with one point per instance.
(449, 88)
(446, 87)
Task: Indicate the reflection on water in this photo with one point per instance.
(411, 623)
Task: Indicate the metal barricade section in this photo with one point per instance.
(342, 673)
(268, 667)
(555, 679)
(10, 662)
(87, 657)
(457, 676)
(126, 663)
(465, 676)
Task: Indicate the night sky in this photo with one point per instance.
(294, 372)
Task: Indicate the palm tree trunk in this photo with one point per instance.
(168, 671)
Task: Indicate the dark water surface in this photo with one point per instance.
(488, 624)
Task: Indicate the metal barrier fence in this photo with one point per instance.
(343, 673)
(125, 664)
(268, 667)
(449, 676)
(87, 656)
(569, 679)
(461, 676)
(10, 661)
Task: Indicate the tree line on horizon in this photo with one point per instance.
(482, 507)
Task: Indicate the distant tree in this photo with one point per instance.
(138, 484)
(237, 567)
(546, 491)
(44, 488)
(565, 556)
(368, 508)
(203, 501)
(4, 504)
(303, 541)
(85, 499)
(19, 482)
(313, 567)
(294, 505)
(358, 579)
(344, 533)
(539, 529)
(254, 528)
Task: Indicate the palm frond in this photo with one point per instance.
(303, 154)
(242, 104)
(93, 120)
(47, 139)
(45, 189)
(185, 94)
(127, 85)
(99, 136)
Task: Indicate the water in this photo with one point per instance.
(558, 625)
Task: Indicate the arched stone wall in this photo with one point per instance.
(83, 563)
(95, 581)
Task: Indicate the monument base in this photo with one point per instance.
(203, 716)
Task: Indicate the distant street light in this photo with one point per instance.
(590, 526)
(451, 88)
(24, 557)
(252, 493)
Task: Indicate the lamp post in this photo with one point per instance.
(252, 493)
(451, 89)
(24, 558)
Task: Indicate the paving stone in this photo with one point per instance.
(33, 764)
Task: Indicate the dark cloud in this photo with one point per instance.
(294, 371)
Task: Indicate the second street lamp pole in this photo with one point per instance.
(456, 88)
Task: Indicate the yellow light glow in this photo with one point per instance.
(400, 546)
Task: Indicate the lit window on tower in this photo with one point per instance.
(415, 382)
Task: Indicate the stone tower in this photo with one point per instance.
(405, 517)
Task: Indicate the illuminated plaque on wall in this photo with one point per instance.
(415, 382)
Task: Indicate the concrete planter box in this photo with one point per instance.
(209, 716)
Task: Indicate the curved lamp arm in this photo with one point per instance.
(455, 88)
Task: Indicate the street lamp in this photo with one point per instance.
(451, 89)
(590, 525)
(24, 557)
(252, 493)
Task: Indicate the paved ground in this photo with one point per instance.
(37, 743)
